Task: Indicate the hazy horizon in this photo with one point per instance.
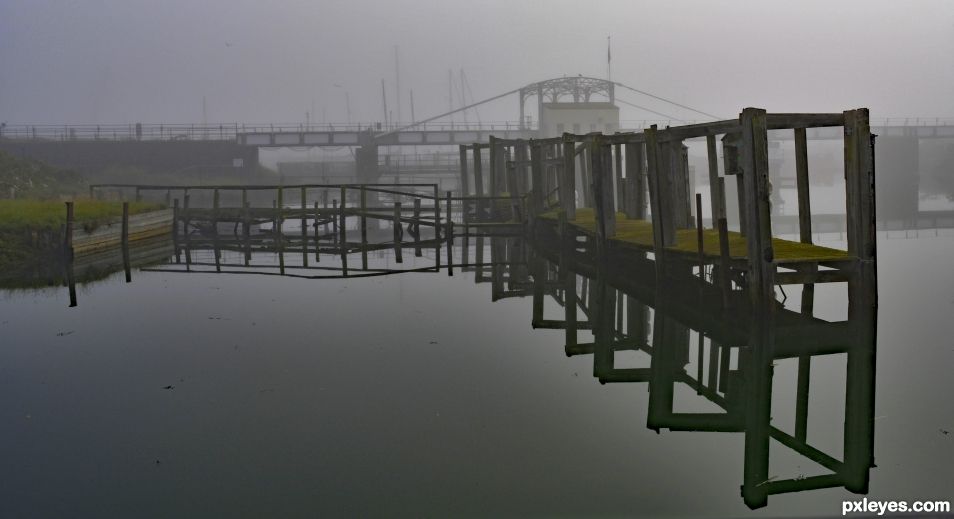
(117, 61)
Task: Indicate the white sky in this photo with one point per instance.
(119, 61)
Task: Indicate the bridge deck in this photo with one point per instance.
(639, 233)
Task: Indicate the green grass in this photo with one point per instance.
(36, 215)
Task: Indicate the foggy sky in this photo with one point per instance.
(120, 61)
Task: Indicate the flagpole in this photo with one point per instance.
(609, 74)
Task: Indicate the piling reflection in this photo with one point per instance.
(737, 347)
(627, 307)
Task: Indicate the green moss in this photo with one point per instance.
(640, 233)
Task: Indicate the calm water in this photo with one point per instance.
(204, 394)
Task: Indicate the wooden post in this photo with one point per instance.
(246, 227)
(450, 237)
(478, 181)
(538, 194)
(601, 164)
(364, 222)
(464, 180)
(801, 184)
(754, 162)
(859, 185)
(215, 211)
(334, 219)
(664, 229)
(437, 218)
(730, 158)
(175, 225)
(397, 233)
(342, 228)
(724, 260)
(185, 229)
(519, 169)
(317, 242)
(280, 219)
(324, 205)
(633, 178)
(618, 177)
(586, 177)
(699, 242)
(168, 197)
(716, 202)
(513, 188)
(304, 228)
(69, 231)
(417, 227)
(568, 178)
(138, 194)
(679, 183)
(125, 227)
(493, 166)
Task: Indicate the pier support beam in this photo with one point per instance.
(754, 163)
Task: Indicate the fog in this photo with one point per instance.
(119, 61)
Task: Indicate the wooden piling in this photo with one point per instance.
(567, 180)
(601, 168)
(754, 163)
(801, 185)
(464, 180)
(185, 229)
(397, 233)
(450, 237)
(125, 225)
(859, 185)
(493, 166)
(70, 224)
(342, 228)
(334, 219)
(618, 177)
(175, 227)
(699, 244)
(417, 227)
(716, 200)
(537, 192)
(317, 242)
(725, 270)
(304, 227)
(478, 181)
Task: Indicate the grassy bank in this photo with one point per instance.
(32, 231)
(38, 215)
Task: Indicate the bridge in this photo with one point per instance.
(576, 105)
(552, 95)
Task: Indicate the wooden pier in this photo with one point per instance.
(632, 192)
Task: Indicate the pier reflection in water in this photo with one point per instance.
(684, 337)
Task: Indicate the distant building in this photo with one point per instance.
(557, 118)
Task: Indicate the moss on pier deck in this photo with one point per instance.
(640, 233)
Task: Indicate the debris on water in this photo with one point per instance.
(157, 461)
(64, 334)
(576, 374)
(433, 342)
(944, 432)
(169, 387)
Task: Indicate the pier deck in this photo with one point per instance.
(639, 233)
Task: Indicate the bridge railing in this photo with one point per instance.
(219, 132)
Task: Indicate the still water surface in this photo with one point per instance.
(414, 394)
